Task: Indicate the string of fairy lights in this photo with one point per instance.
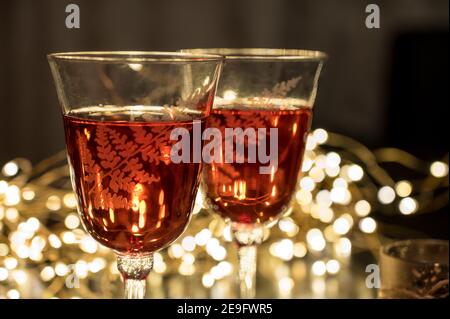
(45, 253)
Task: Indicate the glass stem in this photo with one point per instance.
(247, 237)
(134, 269)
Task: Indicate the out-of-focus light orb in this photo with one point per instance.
(320, 135)
(340, 183)
(362, 208)
(10, 263)
(61, 269)
(439, 169)
(323, 198)
(72, 221)
(367, 225)
(54, 241)
(340, 195)
(53, 203)
(70, 200)
(10, 169)
(332, 171)
(88, 244)
(386, 195)
(33, 224)
(47, 273)
(317, 174)
(202, 237)
(208, 280)
(288, 226)
(28, 194)
(225, 267)
(4, 250)
(188, 243)
(3, 187)
(355, 172)
(319, 268)
(285, 285)
(310, 143)
(307, 183)
(97, 264)
(321, 161)
(341, 226)
(284, 249)
(23, 251)
(188, 258)
(211, 245)
(13, 294)
(227, 234)
(82, 269)
(303, 197)
(330, 234)
(403, 188)
(219, 253)
(68, 237)
(315, 240)
(4, 273)
(408, 206)
(176, 251)
(326, 214)
(333, 159)
(12, 195)
(300, 250)
(343, 247)
(12, 214)
(333, 266)
(307, 164)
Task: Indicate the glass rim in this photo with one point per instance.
(134, 56)
(263, 54)
(384, 250)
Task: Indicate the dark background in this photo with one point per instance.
(384, 87)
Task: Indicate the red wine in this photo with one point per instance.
(132, 197)
(238, 191)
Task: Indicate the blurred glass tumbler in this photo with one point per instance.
(414, 269)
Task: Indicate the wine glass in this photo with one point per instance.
(265, 96)
(120, 112)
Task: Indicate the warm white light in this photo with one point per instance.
(19, 276)
(3, 274)
(188, 243)
(303, 197)
(68, 237)
(288, 226)
(33, 224)
(10, 263)
(53, 203)
(54, 241)
(320, 135)
(333, 266)
(340, 183)
(3, 187)
(13, 294)
(367, 225)
(307, 183)
(319, 268)
(355, 172)
(341, 226)
(88, 244)
(61, 269)
(340, 196)
(285, 285)
(72, 221)
(408, 206)
(284, 249)
(207, 280)
(310, 143)
(47, 273)
(176, 251)
(333, 159)
(188, 258)
(403, 188)
(343, 247)
(12, 195)
(4, 250)
(315, 240)
(386, 195)
(28, 194)
(317, 174)
(323, 198)
(97, 264)
(202, 237)
(362, 208)
(439, 169)
(12, 214)
(300, 250)
(10, 169)
(70, 200)
(219, 253)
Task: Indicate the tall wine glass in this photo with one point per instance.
(266, 97)
(119, 111)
